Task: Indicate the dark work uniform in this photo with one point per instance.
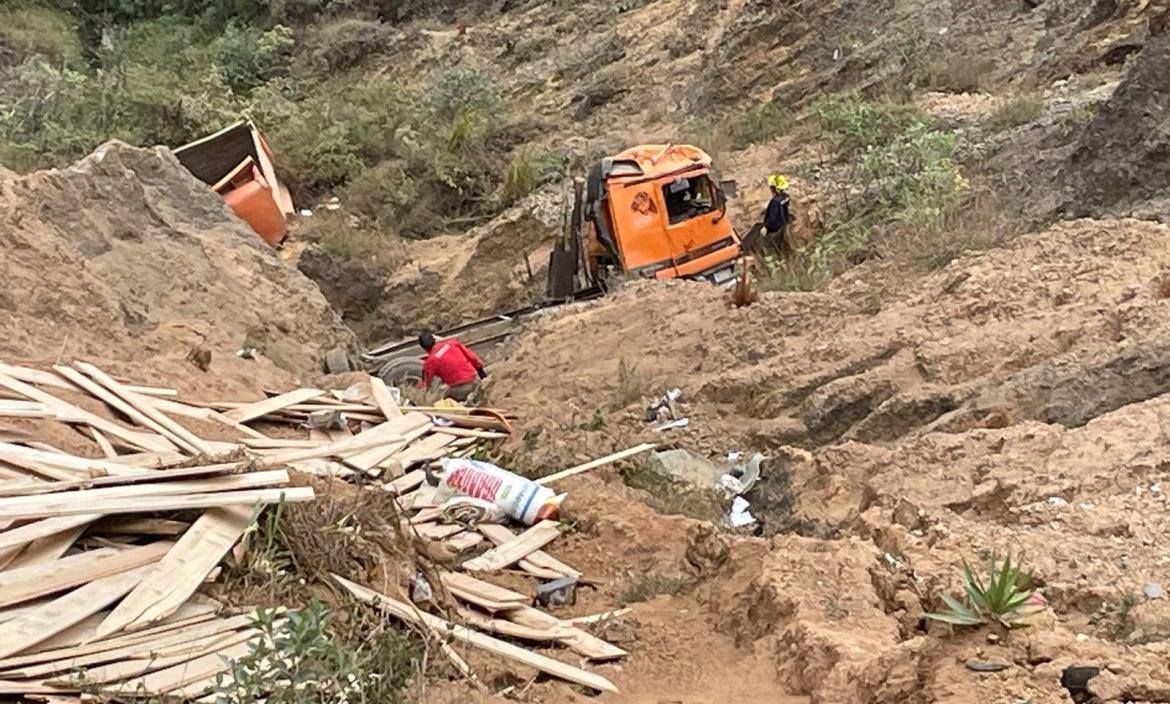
(776, 216)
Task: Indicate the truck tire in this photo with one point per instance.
(401, 371)
(337, 361)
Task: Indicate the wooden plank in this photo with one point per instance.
(476, 422)
(74, 643)
(487, 624)
(18, 635)
(383, 434)
(578, 640)
(134, 525)
(429, 448)
(138, 408)
(19, 537)
(539, 563)
(201, 669)
(34, 581)
(181, 572)
(384, 398)
(134, 438)
(150, 657)
(368, 460)
(20, 458)
(463, 542)
(407, 482)
(472, 589)
(103, 443)
(492, 645)
(473, 433)
(149, 460)
(47, 549)
(516, 549)
(597, 618)
(84, 497)
(594, 464)
(145, 477)
(252, 411)
(282, 443)
(134, 504)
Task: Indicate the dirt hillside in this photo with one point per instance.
(1015, 400)
(126, 256)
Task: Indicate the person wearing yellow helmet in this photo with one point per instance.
(776, 215)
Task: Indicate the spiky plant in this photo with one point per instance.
(1006, 596)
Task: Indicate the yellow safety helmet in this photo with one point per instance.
(778, 182)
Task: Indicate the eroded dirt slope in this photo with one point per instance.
(1015, 400)
(126, 256)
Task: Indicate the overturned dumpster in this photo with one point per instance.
(237, 164)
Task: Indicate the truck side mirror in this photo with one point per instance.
(730, 189)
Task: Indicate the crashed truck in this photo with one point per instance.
(652, 211)
(237, 164)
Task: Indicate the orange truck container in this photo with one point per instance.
(659, 211)
(237, 164)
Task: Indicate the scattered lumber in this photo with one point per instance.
(600, 462)
(515, 549)
(467, 635)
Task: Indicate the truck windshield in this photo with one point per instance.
(688, 197)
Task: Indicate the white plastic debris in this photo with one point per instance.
(739, 516)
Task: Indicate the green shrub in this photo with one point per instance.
(762, 123)
(347, 43)
(519, 178)
(299, 658)
(50, 34)
(862, 123)
(914, 173)
(911, 49)
(247, 56)
(467, 95)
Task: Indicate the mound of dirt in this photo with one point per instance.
(125, 255)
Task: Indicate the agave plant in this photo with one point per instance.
(1006, 596)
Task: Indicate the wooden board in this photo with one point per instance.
(132, 647)
(132, 525)
(18, 635)
(181, 572)
(367, 460)
(34, 581)
(134, 504)
(385, 433)
(142, 440)
(74, 643)
(538, 564)
(158, 658)
(178, 676)
(384, 399)
(144, 411)
(47, 549)
(487, 624)
(594, 464)
(103, 443)
(162, 475)
(41, 503)
(18, 537)
(492, 645)
(516, 549)
(252, 411)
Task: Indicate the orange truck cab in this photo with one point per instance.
(659, 211)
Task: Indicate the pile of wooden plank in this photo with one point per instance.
(87, 586)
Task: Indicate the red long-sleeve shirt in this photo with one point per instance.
(452, 362)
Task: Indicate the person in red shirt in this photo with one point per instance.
(456, 366)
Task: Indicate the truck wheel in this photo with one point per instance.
(337, 361)
(401, 371)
